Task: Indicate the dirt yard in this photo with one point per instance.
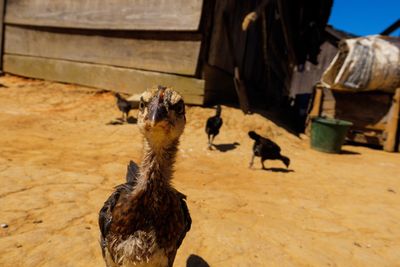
(59, 160)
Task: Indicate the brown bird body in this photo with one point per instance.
(145, 220)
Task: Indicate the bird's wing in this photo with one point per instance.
(209, 123)
(132, 173)
(213, 123)
(219, 123)
(270, 145)
(123, 104)
(186, 216)
(105, 214)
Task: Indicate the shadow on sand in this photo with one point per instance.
(226, 147)
(284, 170)
(196, 261)
(348, 152)
(120, 121)
(131, 120)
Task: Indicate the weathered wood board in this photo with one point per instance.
(393, 123)
(317, 103)
(2, 3)
(103, 76)
(366, 110)
(170, 56)
(97, 14)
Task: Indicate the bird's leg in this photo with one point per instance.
(262, 164)
(123, 116)
(212, 141)
(209, 141)
(251, 161)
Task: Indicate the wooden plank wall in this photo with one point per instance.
(303, 82)
(171, 56)
(247, 53)
(181, 15)
(2, 3)
(125, 46)
(102, 76)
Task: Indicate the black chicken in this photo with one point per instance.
(266, 149)
(124, 106)
(213, 125)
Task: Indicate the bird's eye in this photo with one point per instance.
(179, 107)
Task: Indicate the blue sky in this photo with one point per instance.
(365, 17)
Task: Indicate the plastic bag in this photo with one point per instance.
(365, 63)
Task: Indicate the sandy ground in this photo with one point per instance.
(59, 160)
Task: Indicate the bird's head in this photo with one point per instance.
(286, 160)
(117, 95)
(218, 110)
(253, 135)
(161, 116)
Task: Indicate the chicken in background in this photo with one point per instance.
(266, 149)
(125, 106)
(213, 125)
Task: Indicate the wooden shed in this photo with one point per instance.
(285, 34)
(125, 45)
(128, 45)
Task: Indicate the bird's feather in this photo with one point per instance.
(186, 215)
(213, 125)
(264, 145)
(132, 173)
(105, 214)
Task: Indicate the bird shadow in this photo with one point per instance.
(196, 261)
(131, 120)
(226, 147)
(120, 121)
(348, 152)
(284, 170)
(371, 145)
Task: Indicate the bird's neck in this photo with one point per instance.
(157, 163)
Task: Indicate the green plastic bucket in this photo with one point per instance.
(327, 135)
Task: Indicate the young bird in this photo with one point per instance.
(213, 125)
(266, 149)
(145, 220)
(124, 106)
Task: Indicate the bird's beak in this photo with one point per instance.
(158, 111)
